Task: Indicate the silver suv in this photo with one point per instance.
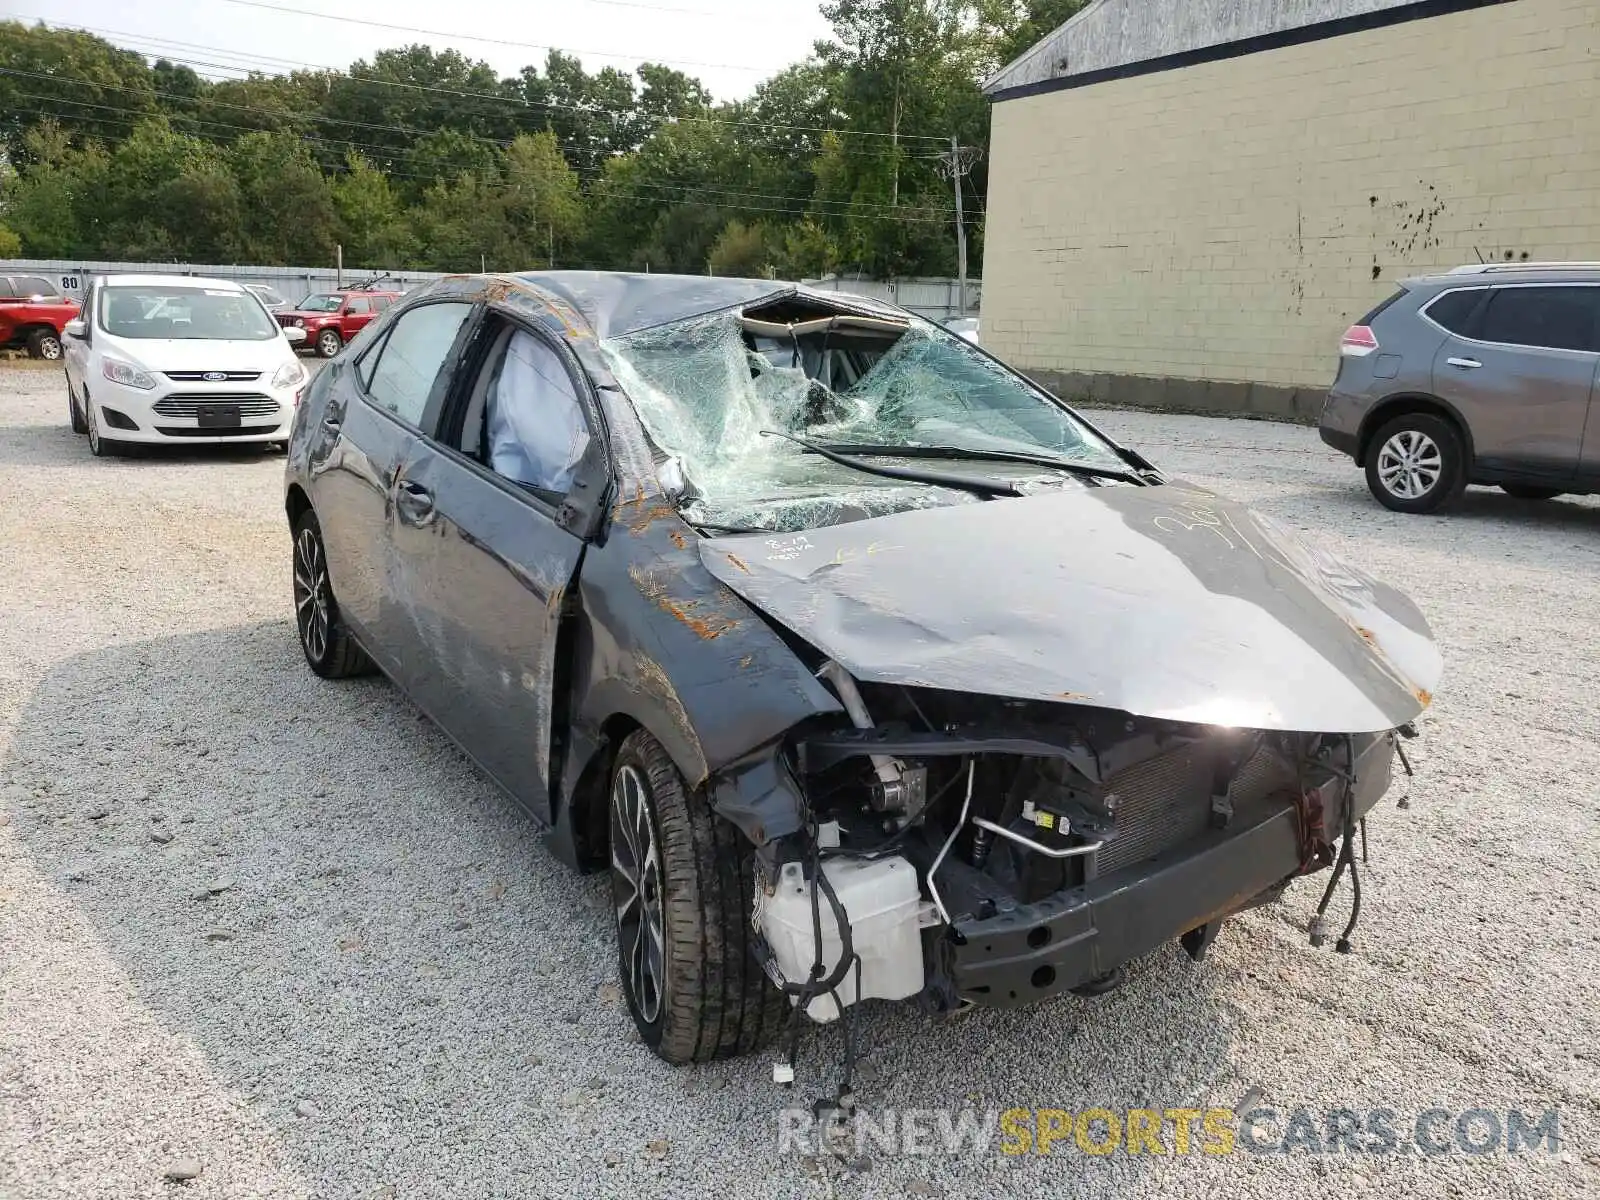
(1482, 375)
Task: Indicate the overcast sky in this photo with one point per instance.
(730, 45)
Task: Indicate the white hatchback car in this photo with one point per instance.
(175, 359)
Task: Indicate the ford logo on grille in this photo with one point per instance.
(214, 376)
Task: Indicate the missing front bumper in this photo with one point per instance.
(1030, 952)
(1080, 934)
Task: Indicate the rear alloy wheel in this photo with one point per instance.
(329, 649)
(681, 888)
(1416, 464)
(45, 344)
(329, 343)
(1521, 491)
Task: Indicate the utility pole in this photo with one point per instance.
(957, 164)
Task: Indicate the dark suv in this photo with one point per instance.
(1482, 375)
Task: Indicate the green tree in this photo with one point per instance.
(10, 243)
(444, 155)
(745, 251)
(1013, 27)
(169, 195)
(373, 225)
(48, 204)
(290, 216)
(408, 95)
(88, 86)
(908, 69)
(541, 198)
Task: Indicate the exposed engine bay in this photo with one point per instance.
(942, 818)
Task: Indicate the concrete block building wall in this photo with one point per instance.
(1201, 236)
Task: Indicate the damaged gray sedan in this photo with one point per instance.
(867, 668)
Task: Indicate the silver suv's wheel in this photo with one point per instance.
(1409, 464)
(1416, 463)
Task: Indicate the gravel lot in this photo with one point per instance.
(395, 991)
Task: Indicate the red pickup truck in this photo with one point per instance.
(331, 319)
(32, 315)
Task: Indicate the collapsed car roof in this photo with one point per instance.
(614, 304)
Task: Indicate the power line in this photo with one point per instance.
(696, 193)
(564, 49)
(491, 41)
(555, 105)
(517, 104)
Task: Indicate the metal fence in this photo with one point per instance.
(72, 275)
(936, 298)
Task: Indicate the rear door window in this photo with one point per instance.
(1454, 310)
(34, 285)
(412, 356)
(1551, 318)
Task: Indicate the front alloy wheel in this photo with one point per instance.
(681, 885)
(636, 893)
(328, 343)
(100, 447)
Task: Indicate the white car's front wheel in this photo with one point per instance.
(100, 447)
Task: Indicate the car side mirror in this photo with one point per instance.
(75, 328)
(294, 334)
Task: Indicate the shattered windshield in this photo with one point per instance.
(707, 388)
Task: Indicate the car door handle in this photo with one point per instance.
(413, 501)
(332, 424)
(1466, 364)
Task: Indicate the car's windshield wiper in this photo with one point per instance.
(987, 488)
(887, 450)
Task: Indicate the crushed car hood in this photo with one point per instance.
(1165, 602)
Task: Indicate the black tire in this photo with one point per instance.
(712, 1000)
(1521, 491)
(100, 447)
(1438, 462)
(74, 414)
(328, 343)
(329, 649)
(45, 344)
